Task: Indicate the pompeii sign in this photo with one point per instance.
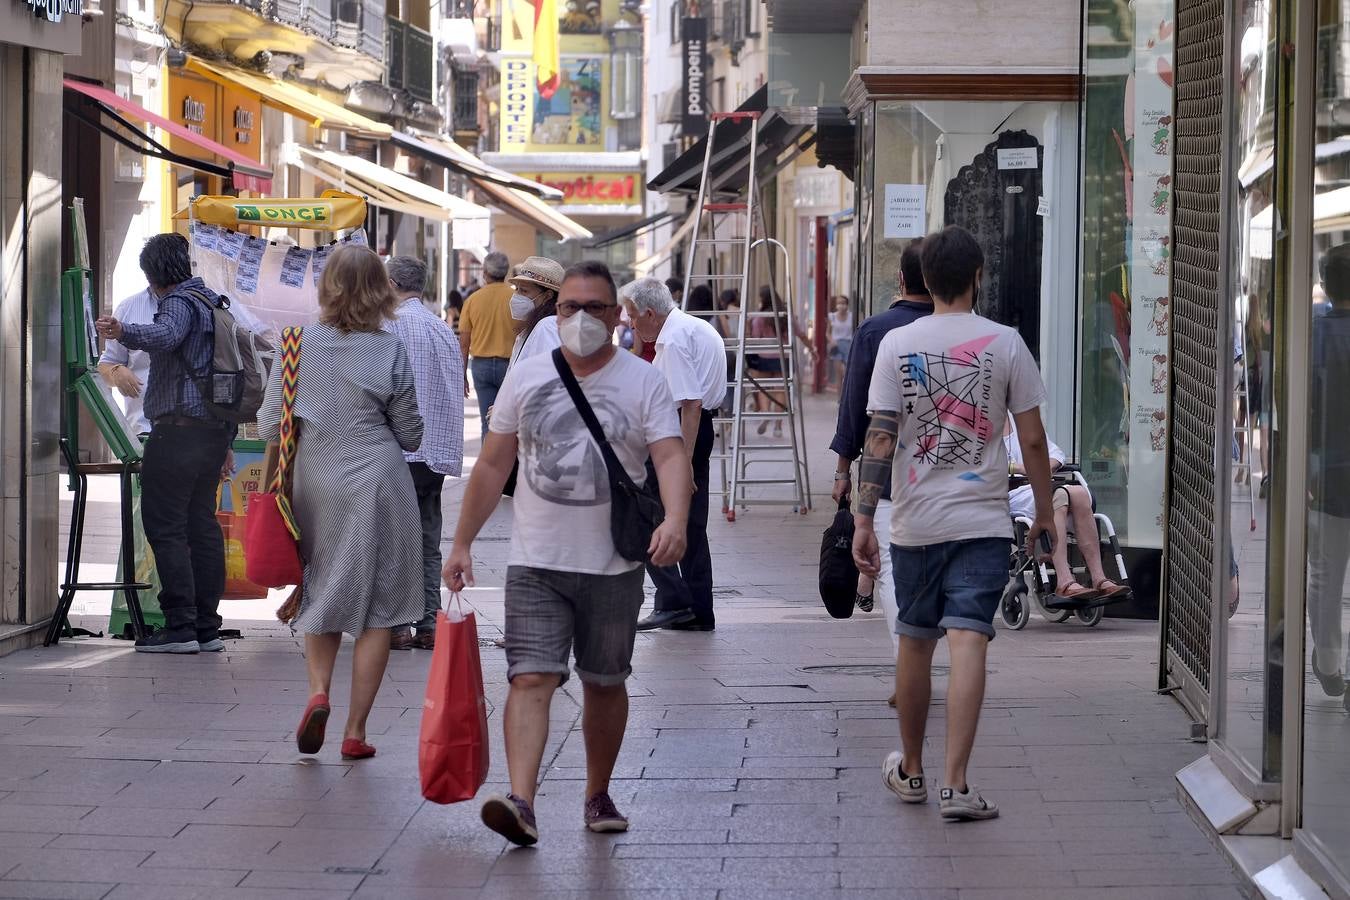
(53, 10)
(694, 90)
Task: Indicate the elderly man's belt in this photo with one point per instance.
(189, 422)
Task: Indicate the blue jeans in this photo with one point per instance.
(956, 584)
(488, 374)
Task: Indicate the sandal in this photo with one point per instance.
(1075, 591)
(863, 603)
(1113, 589)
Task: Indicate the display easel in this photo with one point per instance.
(82, 387)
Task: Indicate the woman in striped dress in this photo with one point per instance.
(355, 413)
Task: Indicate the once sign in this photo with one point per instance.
(53, 10)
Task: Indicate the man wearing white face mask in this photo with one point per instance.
(567, 587)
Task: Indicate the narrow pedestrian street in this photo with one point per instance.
(751, 767)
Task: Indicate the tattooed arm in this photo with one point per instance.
(878, 451)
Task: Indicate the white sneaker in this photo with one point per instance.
(909, 788)
(959, 806)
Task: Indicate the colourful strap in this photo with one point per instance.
(281, 482)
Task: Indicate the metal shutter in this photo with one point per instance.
(1192, 513)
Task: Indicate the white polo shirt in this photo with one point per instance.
(693, 358)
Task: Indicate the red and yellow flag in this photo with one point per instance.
(545, 54)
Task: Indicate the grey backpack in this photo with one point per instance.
(233, 388)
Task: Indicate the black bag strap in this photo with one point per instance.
(616, 470)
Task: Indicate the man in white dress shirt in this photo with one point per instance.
(438, 374)
(692, 357)
(125, 369)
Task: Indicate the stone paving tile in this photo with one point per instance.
(749, 771)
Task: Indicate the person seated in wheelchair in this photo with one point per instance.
(1073, 513)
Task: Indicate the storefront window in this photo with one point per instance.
(1007, 171)
(1326, 765)
(1126, 261)
(618, 256)
(1250, 727)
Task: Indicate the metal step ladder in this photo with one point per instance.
(729, 239)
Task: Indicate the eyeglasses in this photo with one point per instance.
(569, 309)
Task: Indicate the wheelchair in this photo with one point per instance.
(1032, 583)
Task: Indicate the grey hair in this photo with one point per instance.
(409, 273)
(496, 265)
(649, 294)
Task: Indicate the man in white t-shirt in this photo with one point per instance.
(940, 393)
(127, 369)
(566, 585)
(693, 358)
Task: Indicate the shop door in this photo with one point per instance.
(996, 198)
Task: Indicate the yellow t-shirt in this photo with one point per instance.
(487, 319)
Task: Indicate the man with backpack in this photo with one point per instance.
(187, 450)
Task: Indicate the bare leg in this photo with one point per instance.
(965, 696)
(1060, 558)
(1085, 527)
(913, 691)
(526, 729)
(321, 652)
(604, 718)
(369, 658)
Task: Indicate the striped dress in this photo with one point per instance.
(360, 528)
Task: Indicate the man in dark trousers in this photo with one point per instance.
(691, 355)
(186, 453)
(912, 304)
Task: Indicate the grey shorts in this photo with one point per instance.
(550, 615)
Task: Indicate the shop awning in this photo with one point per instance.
(292, 99)
(647, 263)
(244, 174)
(453, 156)
(392, 190)
(731, 153)
(529, 208)
(618, 234)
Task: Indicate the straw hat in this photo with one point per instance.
(539, 270)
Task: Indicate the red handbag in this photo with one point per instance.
(271, 537)
(452, 752)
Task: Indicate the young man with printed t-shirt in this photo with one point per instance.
(567, 588)
(940, 393)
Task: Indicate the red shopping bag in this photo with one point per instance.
(452, 754)
(271, 555)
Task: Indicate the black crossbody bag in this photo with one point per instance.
(634, 512)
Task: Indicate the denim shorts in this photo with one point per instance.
(552, 615)
(957, 584)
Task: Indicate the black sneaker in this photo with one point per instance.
(512, 818)
(169, 641)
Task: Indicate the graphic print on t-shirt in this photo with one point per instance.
(562, 463)
(947, 396)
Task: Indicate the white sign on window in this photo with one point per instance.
(904, 211)
(1019, 158)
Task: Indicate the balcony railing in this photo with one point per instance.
(408, 60)
(359, 25)
(466, 101)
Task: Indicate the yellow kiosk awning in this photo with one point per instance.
(333, 211)
(292, 98)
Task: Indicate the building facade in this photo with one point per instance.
(35, 40)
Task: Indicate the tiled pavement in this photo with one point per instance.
(751, 767)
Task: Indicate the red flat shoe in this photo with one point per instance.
(309, 736)
(354, 749)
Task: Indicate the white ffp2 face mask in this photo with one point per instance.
(583, 333)
(521, 306)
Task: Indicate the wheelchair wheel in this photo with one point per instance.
(1015, 607)
(1090, 617)
(1055, 615)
